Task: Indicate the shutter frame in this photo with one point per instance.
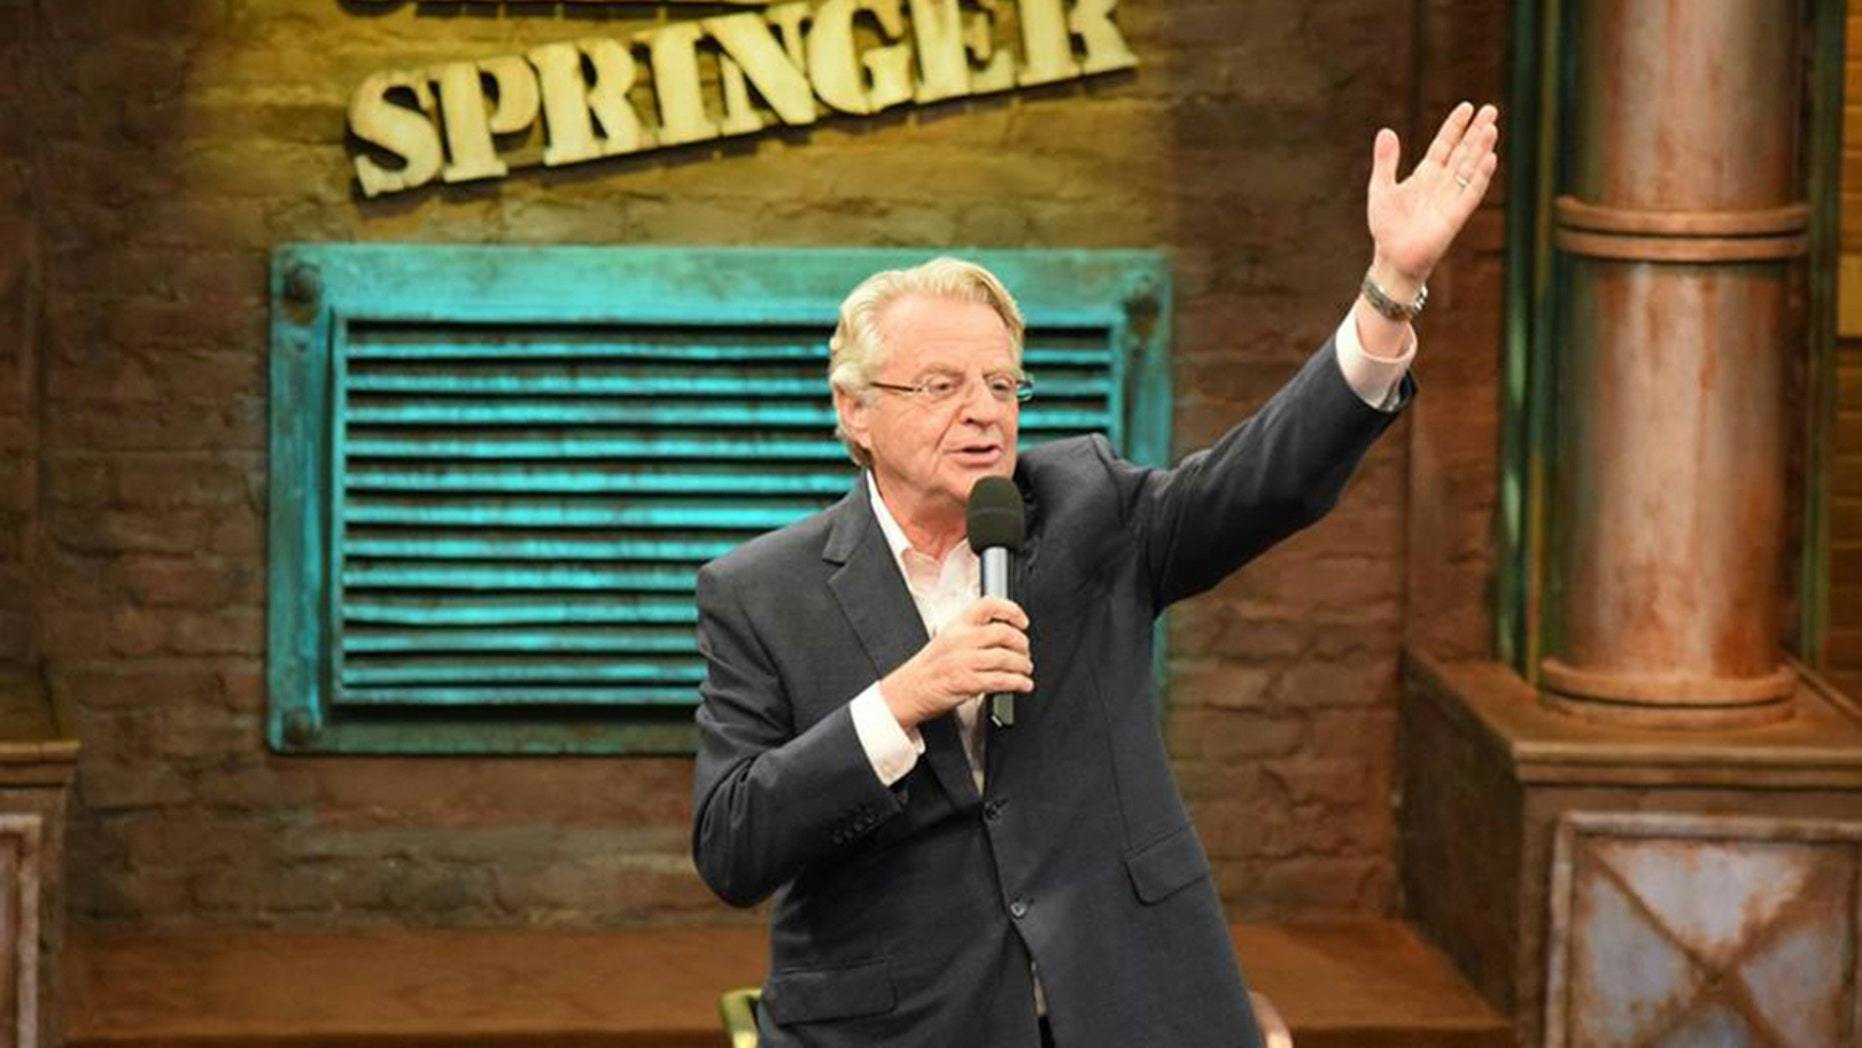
(406, 561)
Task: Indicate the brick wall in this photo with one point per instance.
(19, 302)
(182, 141)
(1454, 451)
(1844, 650)
(1845, 636)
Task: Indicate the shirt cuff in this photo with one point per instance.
(890, 749)
(1378, 381)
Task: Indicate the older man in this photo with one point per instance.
(944, 881)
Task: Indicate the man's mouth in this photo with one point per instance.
(983, 454)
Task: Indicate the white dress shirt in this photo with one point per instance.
(942, 589)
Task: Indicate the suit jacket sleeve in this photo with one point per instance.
(1277, 471)
(768, 801)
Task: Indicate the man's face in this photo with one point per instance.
(928, 455)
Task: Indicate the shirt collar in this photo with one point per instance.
(895, 535)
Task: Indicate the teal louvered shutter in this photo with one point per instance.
(497, 470)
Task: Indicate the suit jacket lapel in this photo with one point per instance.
(872, 593)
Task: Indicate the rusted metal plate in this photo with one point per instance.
(1691, 930)
(1711, 897)
(1788, 976)
(1627, 974)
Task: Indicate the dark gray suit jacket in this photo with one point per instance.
(908, 915)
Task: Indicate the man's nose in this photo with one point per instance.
(979, 404)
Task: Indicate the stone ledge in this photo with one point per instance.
(1355, 982)
(33, 751)
(1821, 746)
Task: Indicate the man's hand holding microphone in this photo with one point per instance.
(983, 651)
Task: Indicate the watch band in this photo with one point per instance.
(1381, 301)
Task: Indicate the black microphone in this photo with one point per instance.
(996, 530)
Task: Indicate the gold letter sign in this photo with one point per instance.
(774, 63)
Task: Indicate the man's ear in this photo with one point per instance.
(853, 411)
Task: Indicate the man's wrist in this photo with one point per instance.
(1399, 285)
(902, 711)
(891, 749)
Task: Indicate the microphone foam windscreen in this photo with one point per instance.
(995, 514)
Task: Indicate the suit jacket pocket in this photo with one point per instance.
(813, 994)
(1160, 868)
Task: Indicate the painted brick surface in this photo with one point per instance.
(179, 143)
(1845, 635)
(1453, 485)
(1844, 646)
(19, 301)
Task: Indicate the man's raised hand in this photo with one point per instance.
(1413, 221)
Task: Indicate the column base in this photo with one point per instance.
(1669, 701)
(1519, 825)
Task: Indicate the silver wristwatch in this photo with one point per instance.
(1381, 301)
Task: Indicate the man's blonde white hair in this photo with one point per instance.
(858, 347)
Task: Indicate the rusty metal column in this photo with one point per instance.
(1685, 224)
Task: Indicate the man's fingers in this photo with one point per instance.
(994, 609)
(1482, 170)
(991, 683)
(1385, 152)
(1477, 184)
(1003, 635)
(1450, 135)
(1472, 179)
(1478, 142)
(1002, 660)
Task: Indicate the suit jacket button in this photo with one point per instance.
(993, 810)
(1018, 909)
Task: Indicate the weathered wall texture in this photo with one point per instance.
(19, 304)
(1454, 450)
(182, 142)
(1845, 636)
(1844, 650)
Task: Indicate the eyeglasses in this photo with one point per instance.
(943, 387)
